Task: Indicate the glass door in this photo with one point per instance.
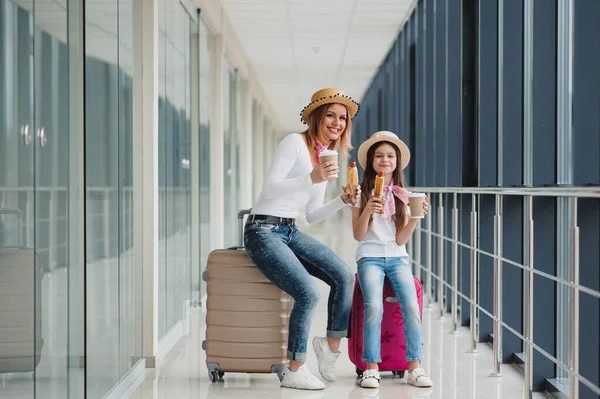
(51, 195)
(174, 121)
(20, 327)
(34, 194)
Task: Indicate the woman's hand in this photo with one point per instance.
(350, 195)
(375, 205)
(324, 171)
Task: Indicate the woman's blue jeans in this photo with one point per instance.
(289, 258)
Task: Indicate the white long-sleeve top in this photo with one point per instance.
(289, 189)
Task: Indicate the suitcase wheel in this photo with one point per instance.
(398, 373)
(359, 372)
(215, 375)
(280, 375)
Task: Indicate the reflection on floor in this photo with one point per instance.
(456, 373)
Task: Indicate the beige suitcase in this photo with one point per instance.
(246, 316)
(21, 274)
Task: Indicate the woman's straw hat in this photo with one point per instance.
(329, 96)
(384, 136)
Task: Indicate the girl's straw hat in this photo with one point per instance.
(384, 136)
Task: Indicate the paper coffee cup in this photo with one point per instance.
(415, 202)
(328, 156)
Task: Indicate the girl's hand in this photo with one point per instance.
(350, 194)
(425, 205)
(324, 171)
(375, 205)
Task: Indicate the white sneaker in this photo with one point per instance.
(325, 358)
(301, 379)
(418, 378)
(370, 379)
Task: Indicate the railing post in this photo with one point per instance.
(473, 320)
(574, 307)
(497, 288)
(440, 294)
(528, 297)
(428, 264)
(455, 324)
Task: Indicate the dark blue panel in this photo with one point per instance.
(586, 100)
(453, 131)
(409, 39)
(513, 94)
(373, 108)
(430, 164)
(487, 157)
(448, 227)
(391, 95)
(399, 84)
(488, 93)
(401, 89)
(464, 260)
(544, 291)
(512, 276)
(586, 170)
(411, 100)
(434, 201)
(487, 206)
(469, 96)
(439, 128)
(589, 307)
(544, 93)
(512, 215)
(420, 97)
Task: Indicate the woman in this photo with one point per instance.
(297, 180)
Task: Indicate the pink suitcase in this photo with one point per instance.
(393, 345)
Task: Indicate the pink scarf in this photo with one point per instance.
(389, 206)
(320, 148)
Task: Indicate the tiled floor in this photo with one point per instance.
(456, 373)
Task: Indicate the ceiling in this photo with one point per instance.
(299, 46)
(295, 47)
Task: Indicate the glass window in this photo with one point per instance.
(206, 45)
(109, 196)
(174, 164)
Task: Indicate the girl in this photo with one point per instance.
(383, 227)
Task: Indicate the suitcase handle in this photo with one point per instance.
(241, 215)
(19, 215)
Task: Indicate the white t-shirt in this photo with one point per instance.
(380, 239)
(288, 188)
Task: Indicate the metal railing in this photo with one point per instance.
(571, 367)
(46, 225)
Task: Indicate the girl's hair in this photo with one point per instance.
(314, 124)
(368, 183)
